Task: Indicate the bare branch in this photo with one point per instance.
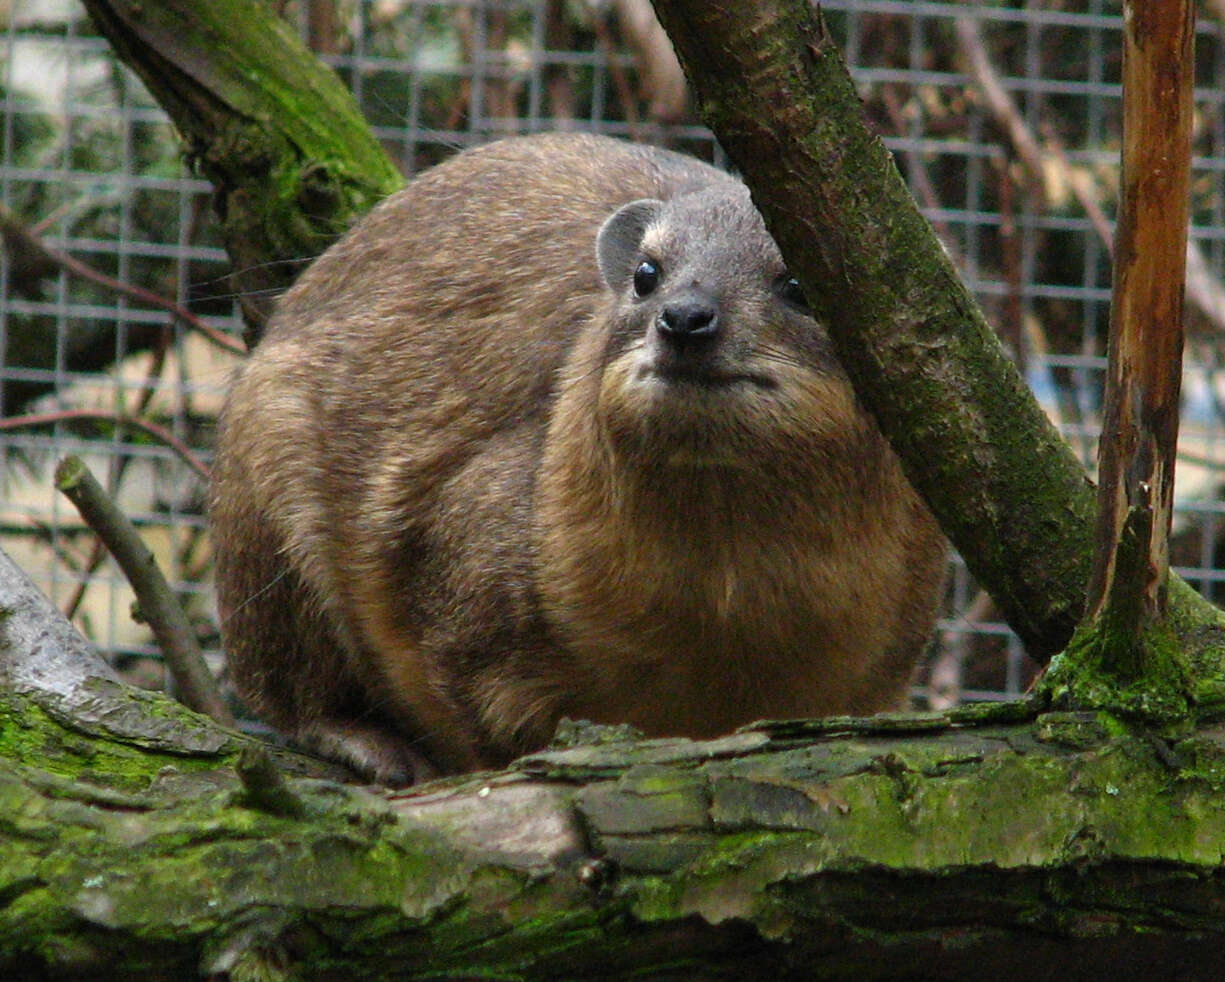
(663, 82)
(16, 234)
(158, 605)
(159, 433)
(1140, 428)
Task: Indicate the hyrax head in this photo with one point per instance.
(711, 356)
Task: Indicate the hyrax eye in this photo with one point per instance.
(646, 278)
(788, 288)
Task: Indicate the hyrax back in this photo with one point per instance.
(550, 433)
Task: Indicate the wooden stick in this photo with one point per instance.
(158, 605)
(185, 453)
(1140, 431)
(16, 235)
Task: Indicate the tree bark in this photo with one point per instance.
(292, 161)
(141, 840)
(1139, 445)
(144, 844)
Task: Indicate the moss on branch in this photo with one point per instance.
(290, 157)
(762, 855)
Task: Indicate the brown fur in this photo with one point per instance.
(465, 488)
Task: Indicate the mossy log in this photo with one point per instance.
(1055, 846)
(140, 840)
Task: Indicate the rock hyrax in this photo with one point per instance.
(551, 433)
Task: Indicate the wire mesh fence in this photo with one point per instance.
(1004, 120)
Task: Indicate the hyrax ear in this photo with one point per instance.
(616, 247)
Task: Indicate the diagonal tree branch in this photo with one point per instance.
(1204, 293)
(1007, 491)
(290, 157)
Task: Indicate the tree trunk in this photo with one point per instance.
(1127, 594)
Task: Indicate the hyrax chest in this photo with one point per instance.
(721, 523)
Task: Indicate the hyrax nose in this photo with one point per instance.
(689, 318)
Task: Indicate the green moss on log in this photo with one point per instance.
(828, 853)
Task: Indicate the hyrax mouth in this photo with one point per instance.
(711, 362)
(692, 341)
(688, 345)
(702, 377)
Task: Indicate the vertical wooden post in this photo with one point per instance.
(1140, 430)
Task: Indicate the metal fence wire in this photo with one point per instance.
(1004, 118)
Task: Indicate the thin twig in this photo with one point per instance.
(13, 229)
(158, 606)
(157, 364)
(621, 84)
(661, 81)
(1082, 188)
(997, 98)
(159, 433)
